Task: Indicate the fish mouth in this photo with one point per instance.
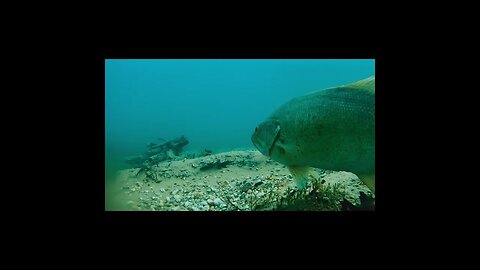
(263, 143)
(258, 145)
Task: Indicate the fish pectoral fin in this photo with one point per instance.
(368, 180)
(301, 174)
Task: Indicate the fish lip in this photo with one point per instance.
(258, 147)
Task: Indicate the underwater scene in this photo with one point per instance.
(239, 134)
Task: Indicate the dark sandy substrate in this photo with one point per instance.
(233, 181)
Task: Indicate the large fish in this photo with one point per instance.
(331, 129)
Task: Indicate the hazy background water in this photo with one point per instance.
(216, 104)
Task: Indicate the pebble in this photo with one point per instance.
(217, 202)
(162, 190)
(177, 198)
(258, 182)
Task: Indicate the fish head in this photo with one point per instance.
(265, 135)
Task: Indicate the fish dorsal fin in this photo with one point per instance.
(365, 84)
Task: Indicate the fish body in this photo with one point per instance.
(332, 129)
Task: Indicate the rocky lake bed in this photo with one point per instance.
(233, 181)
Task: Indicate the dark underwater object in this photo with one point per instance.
(158, 153)
(217, 164)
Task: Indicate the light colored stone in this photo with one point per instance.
(217, 202)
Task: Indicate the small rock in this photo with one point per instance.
(217, 202)
(162, 190)
(177, 198)
(258, 182)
